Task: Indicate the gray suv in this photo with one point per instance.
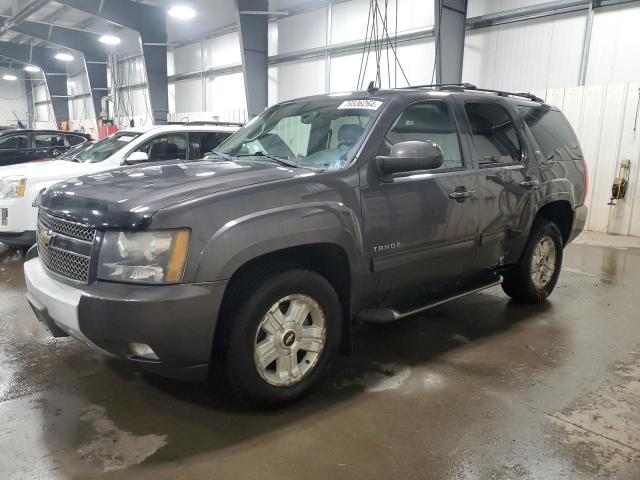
(255, 261)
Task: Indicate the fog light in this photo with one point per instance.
(143, 350)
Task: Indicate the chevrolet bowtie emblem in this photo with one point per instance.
(45, 237)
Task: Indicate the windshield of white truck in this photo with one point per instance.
(105, 148)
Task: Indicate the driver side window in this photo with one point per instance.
(429, 121)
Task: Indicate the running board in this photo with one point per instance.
(388, 315)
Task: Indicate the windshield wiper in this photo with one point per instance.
(280, 160)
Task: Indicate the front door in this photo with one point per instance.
(505, 178)
(421, 229)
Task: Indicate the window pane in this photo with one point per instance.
(75, 139)
(46, 141)
(166, 147)
(209, 141)
(553, 133)
(13, 142)
(494, 134)
(430, 121)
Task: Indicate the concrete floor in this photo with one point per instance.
(480, 388)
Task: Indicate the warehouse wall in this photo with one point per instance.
(82, 115)
(309, 32)
(547, 52)
(13, 100)
(44, 116)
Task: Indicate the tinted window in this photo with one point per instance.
(75, 139)
(494, 134)
(430, 121)
(13, 142)
(48, 140)
(553, 133)
(172, 146)
(209, 141)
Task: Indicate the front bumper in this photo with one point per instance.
(18, 223)
(579, 221)
(177, 321)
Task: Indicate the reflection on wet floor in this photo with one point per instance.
(480, 388)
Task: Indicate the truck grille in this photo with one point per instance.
(66, 228)
(72, 258)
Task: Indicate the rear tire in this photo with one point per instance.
(282, 331)
(535, 275)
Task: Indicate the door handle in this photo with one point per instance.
(460, 194)
(529, 183)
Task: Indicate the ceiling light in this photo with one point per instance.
(11, 78)
(32, 69)
(182, 12)
(65, 57)
(109, 40)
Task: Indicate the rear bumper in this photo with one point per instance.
(177, 321)
(579, 221)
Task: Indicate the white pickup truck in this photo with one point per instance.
(21, 184)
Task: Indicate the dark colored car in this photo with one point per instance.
(21, 146)
(255, 261)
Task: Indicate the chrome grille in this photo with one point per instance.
(67, 264)
(74, 260)
(66, 228)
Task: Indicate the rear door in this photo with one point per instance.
(506, 175)
(46, 146)
(421, 229)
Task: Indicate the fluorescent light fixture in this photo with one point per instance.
(32, 69)
(182, 12)
(11, 78)
(109, 40)
(65, 57)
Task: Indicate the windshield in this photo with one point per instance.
(319, 134)
(105, 148)
(73, 151)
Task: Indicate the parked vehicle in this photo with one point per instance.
(254, 262)
(21, 146)
(20, 184)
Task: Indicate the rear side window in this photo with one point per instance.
(430, 121)
(494, 134)
(48, 140)
(553, 133)
(209, 141)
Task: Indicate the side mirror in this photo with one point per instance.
(136, 157)
(410, 156)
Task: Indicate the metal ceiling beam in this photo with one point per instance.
(150, 22)
(22, 15)
(253, 44)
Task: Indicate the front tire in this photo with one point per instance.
(535, 275)
(282, 336)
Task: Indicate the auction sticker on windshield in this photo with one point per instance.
(362, 104)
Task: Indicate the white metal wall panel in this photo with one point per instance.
(349, 19)
(188, 95)
(298, 32)
(615, 45)
(345, 68)
(223, 50)
(226, 97)
(188, 58)
(40, 92)
(537, 53)
(485, 7)
(285, 79)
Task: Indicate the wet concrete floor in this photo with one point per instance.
(481, 388)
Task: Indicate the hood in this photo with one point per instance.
(128, 197)
(51, 169)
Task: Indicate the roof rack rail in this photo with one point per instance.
(212, 122)
(460, 87)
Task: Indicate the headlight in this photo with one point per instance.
(12, 187)
(144, 257)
